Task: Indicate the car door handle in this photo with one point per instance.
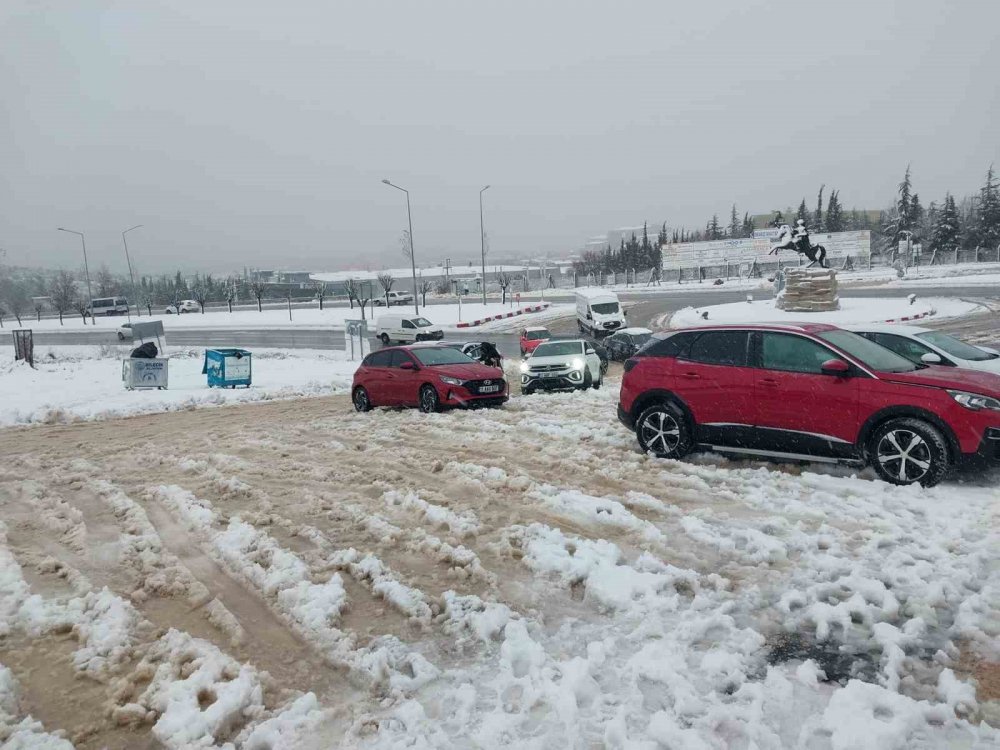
(769, 382)
(691, 375)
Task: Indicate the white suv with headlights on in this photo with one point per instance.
(562, 365)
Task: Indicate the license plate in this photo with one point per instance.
(489, 389)
(550, 375)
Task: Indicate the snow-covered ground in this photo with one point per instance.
(852, 310)
(331, 317)
(72, 383)
(298, 575)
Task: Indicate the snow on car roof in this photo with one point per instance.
(536, 328)
(634, 331)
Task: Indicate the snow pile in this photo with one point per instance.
(68, 389)
(371, 571)
(22, 733)
(463, 524)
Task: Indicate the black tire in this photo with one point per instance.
(663, 430)
(430, 402)
(599, 382)
(121, 336)
(909, 451)
(588, 380)
(169, 312)
(384, 339)
(526, 391)
(362, 402)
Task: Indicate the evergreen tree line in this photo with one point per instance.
(634, 255)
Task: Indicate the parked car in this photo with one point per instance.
(406, 329)
(624, 343)
(929, 347)
(427, 376)
(531, 337)
(395, 298)
(562, 365)
(481, 351)
(125, 331)
(598, 311)
(809, 392)
(184, 306)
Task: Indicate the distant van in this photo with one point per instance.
(598, 312)
(109, 306)
(406, 329)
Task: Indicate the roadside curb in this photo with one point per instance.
(502, 316)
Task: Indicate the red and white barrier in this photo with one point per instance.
(501, 316)
(908, 318)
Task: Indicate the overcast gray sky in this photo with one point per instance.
(242, 132)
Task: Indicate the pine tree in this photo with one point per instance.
(834, 213)
(803, 212)
(748, 226)
(904, 205)
(916, 217)
(946, 226)
(734, 223)
(818, 216)
(988, 213)
(714, 229)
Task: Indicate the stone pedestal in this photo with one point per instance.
(809, 290)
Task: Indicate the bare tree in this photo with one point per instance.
(443, 286)
(425, 286)
(257, 289)
(405, 244)
(38, 310)
(63, 293)
(17, 301)
(83, 307)
(107, 284)
(386, 280)
(364, 297)
(3, 311)
(320, 287)
(230, 292)
(504, 279)
(200, 294)
(352, 288)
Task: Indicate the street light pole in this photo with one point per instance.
(86, 268)
(130, 274)
(482, 238)
(413, 260)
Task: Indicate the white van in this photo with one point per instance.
(108, 306)
(598, 312)
(406, 329)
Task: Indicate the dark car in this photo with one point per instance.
(481, 351)
(809, 392)
(427, 376)
(625, 343)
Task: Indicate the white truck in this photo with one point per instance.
(598, 312)
(395, 298)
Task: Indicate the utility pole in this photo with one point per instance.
(131, 275)
(482, 239)
(413, 259)
(86, 268)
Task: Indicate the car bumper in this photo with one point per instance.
(625, 418)
(988, 453)
(558, 382)
(435, 336)
(468, 401)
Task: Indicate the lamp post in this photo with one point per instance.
(86, 268)
(482, 238)
(413, 260)
(128, 260)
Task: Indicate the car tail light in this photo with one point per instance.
(630, 363)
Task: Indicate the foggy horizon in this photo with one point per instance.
(246, 136)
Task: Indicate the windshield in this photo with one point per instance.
(421, 322)
(443, 356)
(535, 335)
(869, 353)
(954, 347)
(559, 349)
(605, 308)
(640, 339)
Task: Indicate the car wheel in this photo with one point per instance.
(169, 312)
(600, 381)
(663, 430)
(527, 391)
(385, 339)
(361, 400)
(909, 451)
(429, 401)
(604, 367)
(588, 380)
(121, 336)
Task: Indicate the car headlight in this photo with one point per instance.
(450, 381)
(576, 363)
(974, 401)
(525, 367)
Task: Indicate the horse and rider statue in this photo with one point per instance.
(798, 240)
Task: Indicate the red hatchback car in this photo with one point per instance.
(531, 337)
(809, 392)
(428, 376)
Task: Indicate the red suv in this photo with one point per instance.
(428, 376)
(808, 392)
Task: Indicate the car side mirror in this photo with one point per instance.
(407, 366)
(836, 367)
(931, 359)
(589, 350)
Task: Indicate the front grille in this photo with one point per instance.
(548, 368)
(613, 324)
(477, 386)
(993, 433)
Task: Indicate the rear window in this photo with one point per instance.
(535, 335)
(720, 348)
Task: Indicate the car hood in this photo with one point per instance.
(563, 359)
(982, 365)
(954, 378)
(472, 371)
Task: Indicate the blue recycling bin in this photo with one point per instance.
(228, 368)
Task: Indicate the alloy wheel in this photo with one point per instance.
(660, 431)
(428, 400)
(904, 455)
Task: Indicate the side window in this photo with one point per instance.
(676, 345)
(720, 348)
(903, 346)
(399, 357)
(379, 359)
(408, 324)
(781, 351)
